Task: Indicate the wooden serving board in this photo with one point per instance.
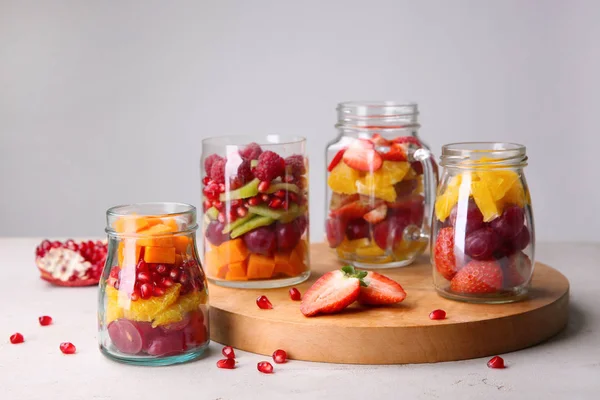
(398, 334)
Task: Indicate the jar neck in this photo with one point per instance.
(140, 220)
(483, 155)
(365, 118)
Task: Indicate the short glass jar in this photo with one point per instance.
(380, 185)
(255, 202)
(483, 242)
(153, 307)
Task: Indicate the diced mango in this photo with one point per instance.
(237, 272)
(297, 263)
(213, 262)
(181, 243)
(283, 265)
(261, 267)
(128, 252)
(171, 223)
(233, 251)
(161, 230)
(484, 200)
(159, 255)
(130, 224)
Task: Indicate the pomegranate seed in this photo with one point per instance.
(293, 197)
(235, 183)
(236, 203)
(295, 294)
(67, 348)
(46, 245)
(263, 186)
(71, 245)
(57, 245)
(146, 291)
(17, 338)
(254, 201)
(221, 217)
(141, 266)
(206, 180)
(162, 269)
(227, 363)
(265, 367)
(289, 179)
(135, 295)
(437, 314)
(264, 197)
(166, 282)
(184, 278)
(275, 203)
(242, 211)
(280, 356)
(263, 303)
(280, 194)
(228, 352)
(221, 187)
(233, 214)
(218, 205)
(496, 362)
(207, 204)
(174, 274)
(45, 320)
(158, 291)
(285, 205)
(143, 276)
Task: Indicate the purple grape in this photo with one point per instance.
(214, 233)
(172, 343)
(473, 220)
(357, 229)
(481, 244)
(389, 231)
(260, 240)
(288, 235)
(510, 223)
(522, 239)
(126, 336)
(302, 222)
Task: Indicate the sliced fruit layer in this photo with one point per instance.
(256, 222)
(246, 191)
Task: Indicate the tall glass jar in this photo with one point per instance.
(153, 307)
(255, 202)
(483, 243)
(380, 185)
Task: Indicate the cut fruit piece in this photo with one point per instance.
(343, 179)
(164, 236)
(336, 159)
(361, 156)
(159, 255)
(498, 181)
(294, 212)
(147, 310)
(130, 224)
(288, 187)
(515, 195)
(181, 244)
(232, 251)
(389, 174)
(237, 272)
(269, 212)
(254, 223)
(376, 215)
(238, 222)
(350, 246)
(283, 265)
(370, 251)
(113, 310)
(446, 201)
(380, 290)
(125, 336)
(248, 190)
(253, 163)
(212, 213)
(178, 312)
(484, 200)
(260, 267)
(354, 210)
(387, 193)
(338, 200)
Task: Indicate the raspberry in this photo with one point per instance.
(244, 172)
(295, 165)
(251, 151)
(209, 161)
(217, 171)
(270, 166)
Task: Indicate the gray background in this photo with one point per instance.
(103, 103)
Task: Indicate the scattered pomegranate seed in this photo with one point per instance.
(242, 211)
(275, 203)
(254, 201)
(45, 320)
(146, 291)
(265, 367)
(437, 314)
(263, 186)
(16, 338)
(280, 194)
(295, 294)
(263, 303)
(206, 180)
(228, 352)
(227, 363)
(67, 348)
(280, 356)
(496, 362)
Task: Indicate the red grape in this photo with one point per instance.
(288, 235)
(214, 233)
(481, 244)
(510, 223)
(357, 229)
(389, 232)
(522, 239)
(260, 240)
(302, 222)
(472, 220)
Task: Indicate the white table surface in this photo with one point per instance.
(567, 366)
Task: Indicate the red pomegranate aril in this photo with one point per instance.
(280, 356)
(285, 205)
(254, 201)
(228, 352)
(280, 194)
(221, 187)
(242, 211)
(293, 197)
(158, 291)
(265, 367)
(263, 186)
(221, 217)
(496, 362)
(218, 205)
(143, 276)
(67, 348)
(206, 180)
(207, 204)
(263, 303)
(71, 245)
(146, 291)
(45, 320)
(135, 295)
(233, 215)
(16, 338)
(166, 282)
(437, 314)
(184, 278)
(46, 245)
(236, 203)
(227, 363)
(162, 269)
(275, 203)
(56, 244)
(289, 179)
(264, 197)
(174, 274)
(295, 294)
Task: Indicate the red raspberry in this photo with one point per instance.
(209, 161)
(251, 151)
(217, 171)
(244, 172)
(270, 166)
(295, 165)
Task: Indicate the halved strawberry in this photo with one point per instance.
(380, 290)
(333, 292)
(443, 253)
(361, 156)
(339, 200)
(396, 152)
(478, 277)
(336, 159)
(407, 139)
(376, 215)
(379, 140)
(354, 210)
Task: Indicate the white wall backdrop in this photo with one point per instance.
(106, 102)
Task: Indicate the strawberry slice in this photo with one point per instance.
(361, 156)
(380, 290)
(333, 292)
(443, 253)
(354, 210)
(407, 139)
(478, 277)
(336, 159)
(339, 200)
(376, 215)
(379, 140)
(396, 152)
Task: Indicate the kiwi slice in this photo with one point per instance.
(293, 213)
(212, 213)
(248, 190)
(290, 187)
(238, 222)
(254, 223)
(267, 212)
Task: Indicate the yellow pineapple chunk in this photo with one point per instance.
(484, 200)
(387, 193)
(350, 246)
(370, 251)
(498, 181)
(447, 200)
(343, 179)
(515, 195)
(113, 310)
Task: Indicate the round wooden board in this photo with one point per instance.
(398, 334)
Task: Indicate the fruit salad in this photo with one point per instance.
(482, 244)
(376, 193)
(255, 217)
(154, 301)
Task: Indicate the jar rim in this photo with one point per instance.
(262, 140)
(171, 209)
(470, 154)
(384, 115)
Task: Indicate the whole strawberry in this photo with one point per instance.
(443, 253)
(478, 277)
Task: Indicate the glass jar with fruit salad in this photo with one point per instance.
(153, 307)
(255, 203)
(381, 183)
(482, 248)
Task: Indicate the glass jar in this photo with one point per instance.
(153, 307)
(482, 249)
(380, 185)
(255, 202)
